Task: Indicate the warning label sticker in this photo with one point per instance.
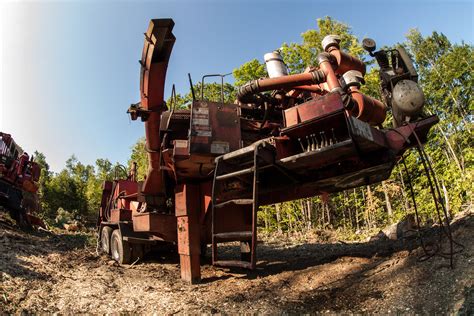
(204, 133)
(198, 111)
(200, 116)
(201, 121)
(218, 147)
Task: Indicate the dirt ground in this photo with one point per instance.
(43, 272)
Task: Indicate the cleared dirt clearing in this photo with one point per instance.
(58, 273)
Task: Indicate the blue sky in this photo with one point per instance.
(69, 69)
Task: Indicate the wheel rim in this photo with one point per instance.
(105, 242)
(115, 253)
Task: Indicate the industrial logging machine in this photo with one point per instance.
(285, 137)
(19, 176)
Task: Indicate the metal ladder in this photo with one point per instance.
(246, 162)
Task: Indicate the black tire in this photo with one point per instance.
(21, 219)
(105, 235)
(119, 248)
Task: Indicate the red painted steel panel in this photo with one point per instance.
(118, 215)
(322, 106)
(187, 199)
(162, 225)
(188, 236)
(215, 128)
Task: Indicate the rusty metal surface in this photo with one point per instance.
(315, 136)
(341, 181)
(367, 137)
(188, 236)
(158, 44)
(121, 190)
(215, 128)
(188, 210)
(19, 182)
(368, 109)
(325, 105)
(187, 199)
(118, 215)
(402, 138)
(331, 80)
(286, 82)
(161, 225)
(346, 62)
(320, 158)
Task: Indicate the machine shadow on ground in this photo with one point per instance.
(275, 259)
(387, 265)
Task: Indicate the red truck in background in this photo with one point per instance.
(19, 176)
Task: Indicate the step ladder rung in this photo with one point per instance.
(260, 155)
(234, 263)
(248, 150)
(233, 236)
(235, 174)
(236, 201)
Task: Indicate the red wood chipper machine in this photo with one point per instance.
(19, 176)
(286, 137)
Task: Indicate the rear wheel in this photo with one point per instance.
(120, 249)
(105, 239)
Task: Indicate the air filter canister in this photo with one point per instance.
(275, 65)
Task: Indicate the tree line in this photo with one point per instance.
(75, 192)
(445, 75)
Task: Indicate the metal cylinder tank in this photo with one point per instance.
(275, 65)
(408, 98)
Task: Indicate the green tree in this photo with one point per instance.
(45, 178)
(69, 189)
(212, 92)
(249, 71)
(298, 56)
(139, 155)
(445, 71)
(103, 171)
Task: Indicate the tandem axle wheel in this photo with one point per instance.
(122, 251)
